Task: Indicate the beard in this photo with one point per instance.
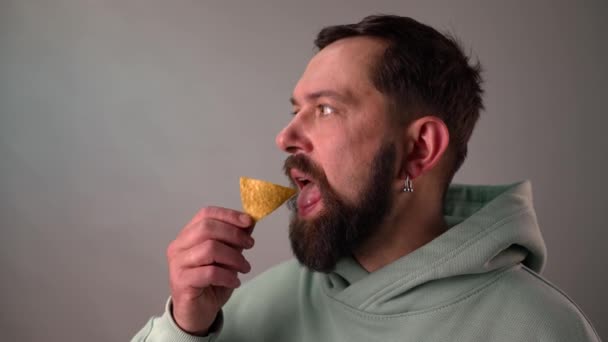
(340, 228)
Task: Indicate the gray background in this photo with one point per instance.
(120, 119)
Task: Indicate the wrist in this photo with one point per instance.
(200, 326)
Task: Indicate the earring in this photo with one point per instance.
(408, 187)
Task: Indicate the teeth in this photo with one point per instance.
(302, 180)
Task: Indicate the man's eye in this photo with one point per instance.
(326, 110)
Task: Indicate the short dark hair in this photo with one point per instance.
(422, 72)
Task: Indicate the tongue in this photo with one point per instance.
(308, 196)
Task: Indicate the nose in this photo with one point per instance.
(293, 137)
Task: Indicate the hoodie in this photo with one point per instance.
(478, 281)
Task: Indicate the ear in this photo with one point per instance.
(427, 141)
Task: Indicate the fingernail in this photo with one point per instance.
(245, 219)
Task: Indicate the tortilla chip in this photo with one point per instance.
(260, 198)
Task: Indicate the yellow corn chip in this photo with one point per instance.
(260, 198)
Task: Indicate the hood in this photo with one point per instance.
(490, 228)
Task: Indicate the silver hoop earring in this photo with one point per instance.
(408, 187)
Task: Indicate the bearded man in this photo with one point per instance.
(385, 247)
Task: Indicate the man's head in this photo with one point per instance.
(384, 99)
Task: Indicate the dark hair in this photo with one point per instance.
(422, 72)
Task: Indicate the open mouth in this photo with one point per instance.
(299, 178)
(309, 194)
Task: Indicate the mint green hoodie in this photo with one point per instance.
(479, 281)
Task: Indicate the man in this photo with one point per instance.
(386, 249)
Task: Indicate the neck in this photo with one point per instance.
(401, 233)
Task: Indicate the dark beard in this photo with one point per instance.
(340, 228)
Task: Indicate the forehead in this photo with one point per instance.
(343, 66)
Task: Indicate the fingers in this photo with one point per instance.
(208, 251)
(213, 252)
(230, 216)
(201, 277)
(210, 229)
(229, 226)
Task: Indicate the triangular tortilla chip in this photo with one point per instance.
(260, 198)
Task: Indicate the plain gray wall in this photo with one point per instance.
(120, 119)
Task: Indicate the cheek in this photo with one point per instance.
(347, 165)
(345, 150)
(334, 155)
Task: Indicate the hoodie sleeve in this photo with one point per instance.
(587, 331)
(164, 329)
(569, 325)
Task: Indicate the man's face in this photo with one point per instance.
(343, 154)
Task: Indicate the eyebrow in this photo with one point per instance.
(323, 93)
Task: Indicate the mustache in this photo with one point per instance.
(305, 165)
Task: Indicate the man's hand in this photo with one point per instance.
(203, 263)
